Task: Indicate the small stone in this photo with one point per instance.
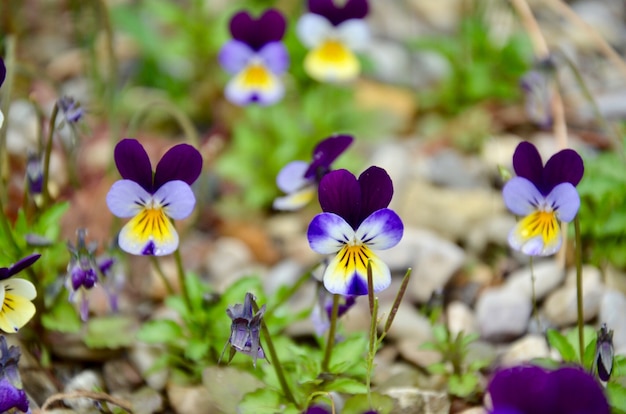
(195, 399)
(451, 169)
(548, 275)
(410, 351)
(418, 401)
(144, 401)
(120, 374)
(226, 387)
(525, 349)
(460, 319)
(502, 314)
(85, 381)
(474, 410)
(612, 311)
(560, 306)
(143, 356)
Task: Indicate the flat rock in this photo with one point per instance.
(417, 401)
(525, 349)
(612, 311)
(461, 318)
(502, 314)
(548, 274)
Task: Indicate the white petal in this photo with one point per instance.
(313, 29)
(355, 33)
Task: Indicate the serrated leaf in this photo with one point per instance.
(110, 332)
(162, 331)
(559, 342)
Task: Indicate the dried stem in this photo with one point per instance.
(98, 396)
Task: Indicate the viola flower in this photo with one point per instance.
(70, 109)
(153, 199)
(299, 179)
(536, 85)
(603, 361)
(11, 395)
(542, 196)
(256, 57)
(355, 222)
(34, 173)
(333, 33)
(245, 330)
(3, 75)
(16, 296)
(529, 389)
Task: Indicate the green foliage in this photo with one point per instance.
(480, 69)
(602, 212)
(568, 346)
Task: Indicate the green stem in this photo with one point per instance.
(396, 304)
(331, 334)
(8, 231)
(164, 279)
(182, 280)
(46, 159)
(534, 293)
(278, 368)
(579, 289)
(371, 352)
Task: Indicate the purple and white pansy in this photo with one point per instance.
(152, 199)
(355, 223)
(299, 179)
(543, 196)
(256, 57)
(333, 33)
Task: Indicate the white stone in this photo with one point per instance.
(502, 313)
(525, 349)
(548, 275)
(612, 311)
(461, 319)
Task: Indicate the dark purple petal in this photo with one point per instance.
(11, 397)
(565, 166)
(339, 193)
(357, 287)
(182, 162)
(3, 71)
(22, 264)
(527, 163)
(376, 191)
(325, 153)
(352, 9)
(269, 27)
(576, 391)
(318, 409)
(133, 163)
(523, 388)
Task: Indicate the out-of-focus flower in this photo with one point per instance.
(299, 179)
(34, 173)
(245, 329)
(603, 360)
(533, 390)
(542, 196)
(16, 296)
(84, 271)
(355, 222)
(152, 199)
(536, 85)
(256, 57)
(322, 312)
(333, 33)
(70, 109)
(3, 75)
(12, 397)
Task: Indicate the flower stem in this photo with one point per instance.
(47, 155)
(164, 279)
(331, 334)
(579, 288)
(278, 368)
(534, 292)
(373, 344)
(396, 304)
(182, 280)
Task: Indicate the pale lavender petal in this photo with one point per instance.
(313, 29)
(124, 196)
(275, 57)
(177, 198)
(355, 34)
(521, 196)
(234, 56)
(291, 177)
(382, 230)
(565, 201)
(328, 233)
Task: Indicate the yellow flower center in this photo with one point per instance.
(334, 51)
(256, 75)
(542, 223)
(151, 221)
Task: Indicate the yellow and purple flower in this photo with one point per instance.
(529, 389)
(16, 296)
(256, 57)
(333, 33)
(355, 222)
(152, 199)
(299, 179)
(543, 196)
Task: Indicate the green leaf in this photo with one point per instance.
(62, 317)
(264, 401)
(358, 404)
(348, 353)
(161, 331)
(440, 332)
(110, 332)
(438, 368)
(617, 396)
(589, 333)
(590, 353)
(462, 386)
(559, 342)
(346, 385)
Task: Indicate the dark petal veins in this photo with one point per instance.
(269, 27)
(376, 191)
(325, 153)
(357, 287)
(3, 71)
(527, 163)
(182, 162)
(352, 9)
(339, 193)
(23, 264)
(565, 166)
(133, 163)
